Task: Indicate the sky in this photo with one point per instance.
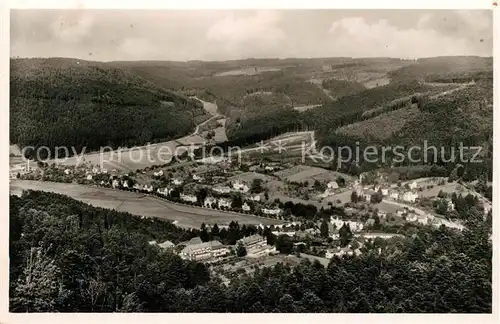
(210, 35)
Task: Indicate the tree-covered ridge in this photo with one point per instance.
(69, 102)
(68, 256)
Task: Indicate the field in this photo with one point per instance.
(247, 71)
(140, 204)
(300, 173)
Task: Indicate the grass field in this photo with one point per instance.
(300, 173)
(140, 204)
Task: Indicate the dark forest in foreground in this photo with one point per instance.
(66, 256)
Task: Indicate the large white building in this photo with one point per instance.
(177, 182)
(205, 252)
(158, 174)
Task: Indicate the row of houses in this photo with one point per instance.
(353, 225)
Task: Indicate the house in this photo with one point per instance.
(177, 182)
(105, 171)
(222, 190)
(255, 198)
(189, 198)
(148, 188)
(245, 207)
(423, 220)
(166, 245)
(137, 186)
(412, 185)
(95, 170)
(271, 211)
(125, 184)
(239, 186)
(67, 171)
(209, 201)
(205, 252)
(409, 196)
(89, 177)
(400, 212)
(332, 185)
(278, 233)
(411, 217)
(381, 214)
(353, 225)
(194, 240)
(102, 183)
(385, 192)
(164, 191)
(158, 174)
(224, 203)
(450, 206)
(196, 177)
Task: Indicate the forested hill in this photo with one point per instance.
(70, 102)
(68, 256)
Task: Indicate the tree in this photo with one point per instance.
(241, 250)
(324, 229)
(256, 186)
(237, 202)
(204, 236)
(354, 197)
(201, 195)
(345, 234)
(284, 244)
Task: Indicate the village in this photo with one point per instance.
(321, 213)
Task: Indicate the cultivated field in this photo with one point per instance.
(140, 204)
(247, 71)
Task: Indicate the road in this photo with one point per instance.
(421, 212)
(140, 204)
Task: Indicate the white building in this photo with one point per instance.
(245, 207)
(239, 186)
(164, 191)
(255, 198)
(253, 242)
(224, 203)
(209, 201)
(409, 196)
(269, 168)
(385, 192)
(411, 217)
(89, 177)
(423, 220)
(196, 177)
(205, 252)
(67, 171)
(222, 190)
(95, 170)
(105, 171)
(177, 182)
(125, 184)
(137, 186)
(166, 245)
(353, 225)
(394, 195)
(189, 198)
(413, 185)
(158, 174)
(332, 185)
(148, 188)
(271, 211)
(374, 235)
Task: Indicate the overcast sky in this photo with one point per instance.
(107, 35)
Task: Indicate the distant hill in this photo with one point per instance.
(70, 102)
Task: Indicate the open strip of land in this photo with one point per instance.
(141, 204)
